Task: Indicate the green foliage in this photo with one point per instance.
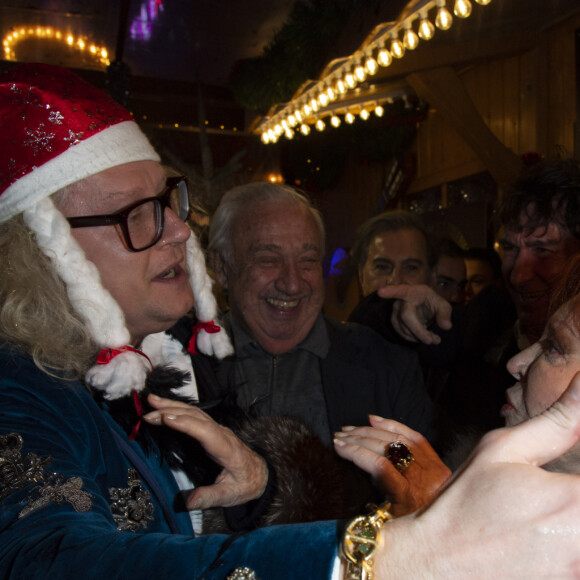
(298, 52)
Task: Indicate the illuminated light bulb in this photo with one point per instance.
(323, 99)
(289, 133)
(349, 118)
(81, 44)
(384, 57)
(379, 111)
(298, 116)
(410, 38)
(426, 29)
(340, 87)
(364, 114)
(397, 48)
(335, 121)
(278, 130)
(444, 20)
(483, 2)
(306, 110)
(350, 80)
(58, 35)
(284, 125)
(314, 104)
(462, 8)
(304, 129)
(331, 94)
(360, 73)
(271, 135)
(320, 125)
(291, 120)
(93, 49)
(70, 40)
(371, 65)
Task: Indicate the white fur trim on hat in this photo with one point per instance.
(217, 344)
(98, 309)
(115, 145)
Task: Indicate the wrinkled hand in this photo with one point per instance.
(501, 516)
(409, 491)
(415, 309)
(244, 475)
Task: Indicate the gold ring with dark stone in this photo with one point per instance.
(399, 455)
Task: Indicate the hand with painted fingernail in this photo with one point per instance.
(401, 462)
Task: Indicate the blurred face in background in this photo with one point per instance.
(532, 266)
(479, 276)
(450, 279)
(395, 257)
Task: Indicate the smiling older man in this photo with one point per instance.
(267, 244)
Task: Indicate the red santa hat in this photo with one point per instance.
(56, 130)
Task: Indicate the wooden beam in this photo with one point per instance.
(444, 91)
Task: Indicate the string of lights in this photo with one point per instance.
(79, 43)
(320, 102)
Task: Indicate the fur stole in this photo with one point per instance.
(311, 482)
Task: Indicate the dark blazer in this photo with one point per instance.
(362, 374)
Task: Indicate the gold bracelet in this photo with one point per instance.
(360, 541)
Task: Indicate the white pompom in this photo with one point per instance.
(120, 376)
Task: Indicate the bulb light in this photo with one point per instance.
(371, 65)
(410, 38)
(350, 80)
(340, 87)
(384, 57)
(360, 74)
(462, 8)
(397, 48)
(426, 29)
(443, 20)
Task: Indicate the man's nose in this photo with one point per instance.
(175, 231)
(289, 279)
(522, 268)
(394, 278)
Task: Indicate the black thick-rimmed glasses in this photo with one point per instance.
(142, 222)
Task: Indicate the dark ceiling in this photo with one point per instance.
(189, 40)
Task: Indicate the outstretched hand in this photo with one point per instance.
(407, 491)
(501, 516)
(244, 475)
(416, 307)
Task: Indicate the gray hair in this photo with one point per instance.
(389, 221)
(239, 199)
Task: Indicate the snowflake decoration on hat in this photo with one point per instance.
(39, 139)
(56, 118)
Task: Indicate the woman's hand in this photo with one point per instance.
(407, 491)
(244, 475)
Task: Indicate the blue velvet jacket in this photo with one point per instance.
(78, 501)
